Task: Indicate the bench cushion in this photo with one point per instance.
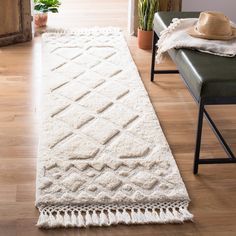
(207, 76)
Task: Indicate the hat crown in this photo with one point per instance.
(214, 23)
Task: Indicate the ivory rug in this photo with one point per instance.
(103, 158)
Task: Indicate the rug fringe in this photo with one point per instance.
(101, 215)
(48, 32)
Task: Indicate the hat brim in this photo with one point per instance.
(194, 33)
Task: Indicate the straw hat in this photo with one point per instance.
(213, 25)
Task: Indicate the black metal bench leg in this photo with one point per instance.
(154, 48)
(198, 138)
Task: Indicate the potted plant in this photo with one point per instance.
(42, 7)
(146, 11)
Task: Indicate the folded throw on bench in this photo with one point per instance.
(176, 36)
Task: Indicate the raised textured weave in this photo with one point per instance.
(103, 158)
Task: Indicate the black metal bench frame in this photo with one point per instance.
(202, 112)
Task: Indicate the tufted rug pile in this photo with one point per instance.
(103, 158)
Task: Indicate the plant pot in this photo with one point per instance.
(40, 19)
(145, 39)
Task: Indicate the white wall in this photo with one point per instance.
(228, 7)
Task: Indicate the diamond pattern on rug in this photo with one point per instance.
(75, 116)
(117, 59)
(91, 79)
(113, 114)
(102, 39)
(86, 60)
(77, 147)
(69, 53)
(113, 90)
(73, 182)
(54, 104)
(111, 181)
(100, 105)
(45, 183)
(74, 69)
(106, 69)
(62, 40)
(70, 92)
(101, 130)
(128, 146)
(102, 52)
(54, 133)
(144, 179)
(142, 129)
(56, 62)
(57, 81)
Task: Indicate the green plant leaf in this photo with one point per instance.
(53, 9)
(47, 5)
(146, 11)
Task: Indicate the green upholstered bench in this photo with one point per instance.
(210, 79)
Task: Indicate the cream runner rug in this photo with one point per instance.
(103, 158)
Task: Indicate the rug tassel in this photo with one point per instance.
(126, 217)
(185, 213)
(177, 215)
(80, 220)
(43, 220)
(149, 216)
(156, 216)
(60, 219)
(141, 216)
(95, 218)
(112, 217)
(67, 219)
(88, 219)
(134, 216)
(170, 216)
(73, 219)
(103, 219)
(162, 216)
(119, 216)
(52, 221)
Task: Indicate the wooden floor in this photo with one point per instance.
(213, 192)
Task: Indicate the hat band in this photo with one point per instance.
(199, 32)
